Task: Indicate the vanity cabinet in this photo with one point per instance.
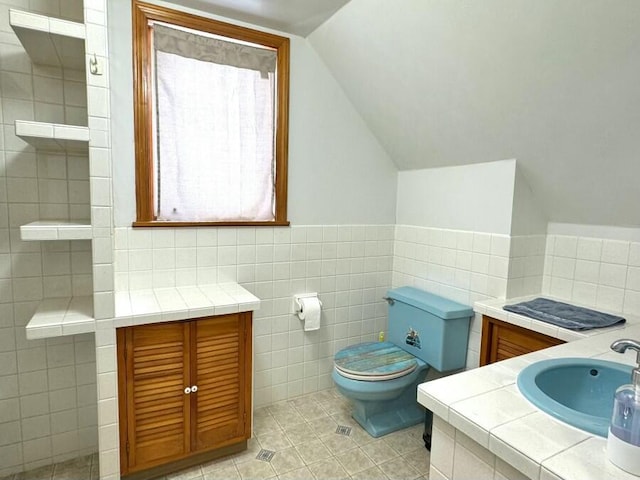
(184, 389)
(502, 340)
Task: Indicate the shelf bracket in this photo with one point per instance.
(94, 66)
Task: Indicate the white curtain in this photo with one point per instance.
(214, 131)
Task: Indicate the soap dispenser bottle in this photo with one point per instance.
(623, 442)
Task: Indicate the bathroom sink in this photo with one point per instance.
(577, 391)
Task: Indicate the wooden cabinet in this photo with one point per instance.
(501, 340)
(184, 389)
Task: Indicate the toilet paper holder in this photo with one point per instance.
(298, 308)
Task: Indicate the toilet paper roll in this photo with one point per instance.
(310, 313)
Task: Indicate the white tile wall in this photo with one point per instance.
(349, 266)
(456, 456)
(47, 388)
(526, 265)
(596, 272)
(461, 265)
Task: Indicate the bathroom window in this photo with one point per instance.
(211, 114)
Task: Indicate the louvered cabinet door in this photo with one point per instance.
(154, 370)
(221, 369)
(501, 340)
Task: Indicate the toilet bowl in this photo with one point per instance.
(381, 378)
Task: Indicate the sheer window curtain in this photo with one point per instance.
(214, 128)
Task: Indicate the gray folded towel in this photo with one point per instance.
(564, 315)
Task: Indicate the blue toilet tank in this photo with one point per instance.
(430, 327)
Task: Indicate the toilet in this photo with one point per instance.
(381, 378)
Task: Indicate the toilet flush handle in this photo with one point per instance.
(389, 300)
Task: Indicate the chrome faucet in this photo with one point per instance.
(622, 346)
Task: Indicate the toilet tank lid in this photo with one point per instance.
(436, 305)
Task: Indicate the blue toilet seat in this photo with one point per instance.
(374, 361)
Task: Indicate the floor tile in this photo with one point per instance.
(325, 395)
(379, 451)
(188, 474)
(354, 461)
(328, 470)
(289, 419)
(401, 441)
(266, 424)
(398, 469)
(260, 412)
(313, 451)
(343, 418)
(323, 425)
(255, 470)
(286, 460)
(373, 473)
(76, 469)
(274, 441)
(222, 472)
(419, 459)
(42, 473)
(300, 474)
(311, 411)
(335, 405)
(217, 464)
(361, 436)
(338, 443)
(282, 409)
(300, 402)
(253, 448)
(301, 433)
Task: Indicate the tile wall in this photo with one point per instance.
(526, 265)
(349, 266)
(454, 455)
(47, 387)
(596, 272)
(461, 265)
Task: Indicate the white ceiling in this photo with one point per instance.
(554, 84)
(299, 17)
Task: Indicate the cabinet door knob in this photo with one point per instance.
(187, 390)
(194, 389)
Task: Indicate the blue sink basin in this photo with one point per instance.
(577, 391)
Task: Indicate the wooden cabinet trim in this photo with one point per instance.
(129, 461)
(248, 370)
(491, 335)
(122, 398)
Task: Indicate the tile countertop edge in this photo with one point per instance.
(566, 460)
(493, 309)
(157, 305)
(56, 317)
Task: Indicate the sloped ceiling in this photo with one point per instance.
(552, 83)
(299, 17)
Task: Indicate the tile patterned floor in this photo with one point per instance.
(302, 439)
(82, 468)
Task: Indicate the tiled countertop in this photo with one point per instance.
(486, 405)
(137, 307)
(493, 308)
(57, 317)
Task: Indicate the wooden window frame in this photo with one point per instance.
(143, 113)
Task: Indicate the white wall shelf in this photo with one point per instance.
(53, 136)
(50, 41)
(56, 230)
(57, 317)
